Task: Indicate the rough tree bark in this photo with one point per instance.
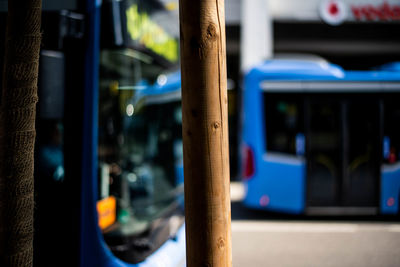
(205, 133)
(17, 131)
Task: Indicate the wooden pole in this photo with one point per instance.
(17, 132)
(205, 133)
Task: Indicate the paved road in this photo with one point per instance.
(264, 239)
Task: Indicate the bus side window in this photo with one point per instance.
(284, 123)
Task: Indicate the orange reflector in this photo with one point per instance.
(106, 210)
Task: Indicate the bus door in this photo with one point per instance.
(323, 138)
(361, 150)
(343, 150)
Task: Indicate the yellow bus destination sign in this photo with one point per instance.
(149, 34)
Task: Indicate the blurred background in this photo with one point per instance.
(314, 127)
(356, 35)
(317, 128)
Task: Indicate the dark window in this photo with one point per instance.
(284, 123)
(391, 140)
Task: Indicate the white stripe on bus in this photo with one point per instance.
(329, 87)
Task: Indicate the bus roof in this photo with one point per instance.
(168, 83)
(392, 66)
(167, 88)
(319, 70)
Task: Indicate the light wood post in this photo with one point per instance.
(205, 133)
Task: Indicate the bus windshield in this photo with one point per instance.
(140, 146)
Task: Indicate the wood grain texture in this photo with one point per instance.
(205, 133)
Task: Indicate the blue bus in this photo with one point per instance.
(108, 154)
(318, 139)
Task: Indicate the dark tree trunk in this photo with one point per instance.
(17, 132)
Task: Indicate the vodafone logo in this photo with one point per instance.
(333, 12)
(384, 12)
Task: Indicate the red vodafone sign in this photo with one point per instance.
(335, 12)
(383, 12)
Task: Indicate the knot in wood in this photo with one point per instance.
(216, 124)
(221, 243)
(211, 32)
